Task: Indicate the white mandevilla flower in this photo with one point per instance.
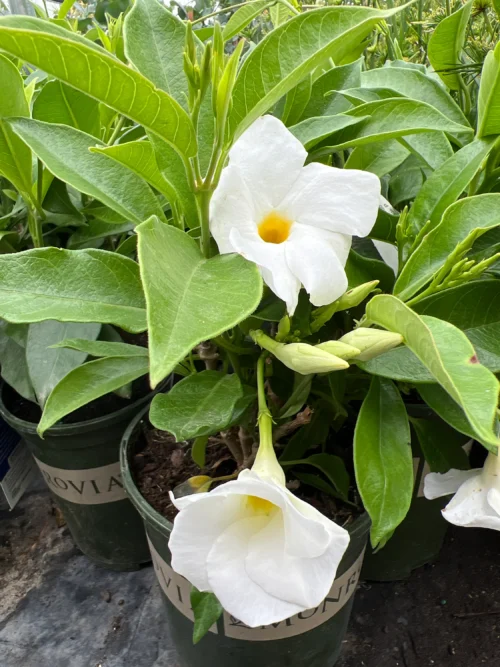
(476, 503)
(264, 553)
(294, 221)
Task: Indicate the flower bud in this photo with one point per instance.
(197, 484)
(341, 350)
(356, 295)
(371, 342)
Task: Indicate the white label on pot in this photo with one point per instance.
(176, 588)
(340, 593)
(94, 486)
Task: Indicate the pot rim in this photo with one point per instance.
(65, 430)
(149, 514)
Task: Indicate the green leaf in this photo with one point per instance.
(243, 17)
(417, 86)
(338, 78)
(189, 298)
(139, 157)
(85, 237)
(475, 309)
(280, 13)
(87, 383)
(72, 286)
(448, 355)
(46, 365)
(102, 348)
(13, 360)
(333, 467)
(296, 101)
(378, 158)
(446, 184)
(383, 460)
(154, 44)
(298, 397)
(385, 225)
(313, 130)
(441, 445)
(360, 270)
(59, 207)
(201, 404)
(289, 53)
(59, 103)
(433, 148)
(65, 152)
(312, 434)
(446, 44)
(15, 156)
(393, 118)
(88, 68)
(207, 610)
(399, 364)
(460, 219)
(488, 104)
(199, 450)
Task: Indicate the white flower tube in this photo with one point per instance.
(264, 553)
(476, 503)
(294, 221)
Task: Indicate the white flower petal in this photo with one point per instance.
(273, 568)
(340, 200)
(437, 485)
(311, 255)
(196, 527)
(271, 259)
(231, 206)
(469, 507)
(493, 499)
(269, 158)
(229, 580)
(389, 254)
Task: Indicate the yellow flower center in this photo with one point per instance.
(260, 505)
(274, 228)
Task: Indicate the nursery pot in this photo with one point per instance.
(418, 540)
(80, 464)
(313, 637)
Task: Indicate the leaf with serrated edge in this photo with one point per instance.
(72, 286)
(448, 355)
(189, 298)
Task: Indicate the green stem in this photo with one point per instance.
(203, 200)
(116, 131)
(225, 10)
(448, 7)
(35, 227)
(264, 419)
(39, 182)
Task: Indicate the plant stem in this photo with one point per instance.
(116, 131)
(35, 227)
(225, 10)
(203, 201)
(448, 7)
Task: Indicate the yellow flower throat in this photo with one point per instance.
(260, 505)
(274, 228)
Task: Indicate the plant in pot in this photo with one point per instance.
(243, 211)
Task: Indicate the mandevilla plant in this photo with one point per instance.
(252, 184)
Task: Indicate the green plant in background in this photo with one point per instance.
(149, 153)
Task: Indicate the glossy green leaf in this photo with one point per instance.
(190, 299)
(15, 156)
(13, 365)
(87, 383)
(383, 460)
(154, 44)
(296, 101)
(417, 86)
(201, 404)
(393, 118)
(399, 364)
(46, 365)
(488, 104)
(243, 17)
(433, 148)
(441, 445)
(321, 103)
(288, 53)
(446, 184)
(102, 348)
(446, 44)
(199, 450)
(473, 213)
(207, 610)
(65, 152)
(300, 392)
(378, 158)
(139, 157)
(90, 69)
(448, 355)
(361, 269)
(333, 467)
(313, 130)
(59, 103)
(72, 286)
(385, 225)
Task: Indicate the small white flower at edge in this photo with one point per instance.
(264, 553)
(476, 503)
(294, 221)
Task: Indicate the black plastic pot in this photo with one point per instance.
(313, 638)
(80, 463)
(419, 538)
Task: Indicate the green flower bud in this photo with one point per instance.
(341, 350)
(356, 295)
(300, 357)
(371, 342)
